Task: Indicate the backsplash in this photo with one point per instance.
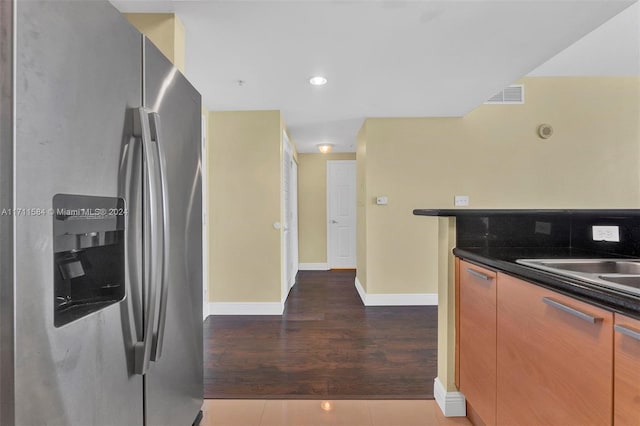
(562, 230)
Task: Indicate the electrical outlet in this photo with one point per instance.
(606, 233)
(543, 228)
(461, 200)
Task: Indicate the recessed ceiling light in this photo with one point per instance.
(318, 80)
(325, 148)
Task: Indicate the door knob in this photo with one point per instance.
(334, 221)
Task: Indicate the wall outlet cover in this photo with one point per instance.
(461, 200)
(543, 228)
(606, 233)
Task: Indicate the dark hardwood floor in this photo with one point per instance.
(326, 345)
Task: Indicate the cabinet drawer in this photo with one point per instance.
(554, 358)
(626, 382)
(477, 368)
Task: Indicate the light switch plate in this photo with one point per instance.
(461, 200)
(382, 201)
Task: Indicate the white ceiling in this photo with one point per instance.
(382, 58)
(613, 49)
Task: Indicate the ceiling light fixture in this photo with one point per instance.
(325, 148)
(318, 80)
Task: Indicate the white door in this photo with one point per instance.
(289, 218)
(341, 213)
(293, 229)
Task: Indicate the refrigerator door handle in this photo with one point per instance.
(156, 135)
(143, 348)
(128, 169)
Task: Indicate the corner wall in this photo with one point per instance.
(244, 203)
(165, 30)
(361, 207)
(494, 156)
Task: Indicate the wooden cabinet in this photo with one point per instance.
(626, 371)
(477, 338)
(554, 358)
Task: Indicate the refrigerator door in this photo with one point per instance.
(6, 221)
(78, 74)
(174, 381)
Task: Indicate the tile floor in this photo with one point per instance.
(260, 412)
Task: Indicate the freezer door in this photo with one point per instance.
(6, 221)
(174, 382)
(78, 74)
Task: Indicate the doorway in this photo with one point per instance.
(341, 214)
(289, 217)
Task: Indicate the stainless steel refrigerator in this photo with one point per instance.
(100, 223)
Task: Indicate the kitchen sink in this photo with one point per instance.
(620, 274)
(589, 266)
(630, 281)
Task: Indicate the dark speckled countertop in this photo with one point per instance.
(496, 238)
(504, 260)
(529, 212)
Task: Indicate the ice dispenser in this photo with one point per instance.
(88, 255)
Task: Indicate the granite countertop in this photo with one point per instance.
(504, 259)
(540, 212)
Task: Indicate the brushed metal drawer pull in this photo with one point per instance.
(479, 274)
(570, 310)
(627, 331)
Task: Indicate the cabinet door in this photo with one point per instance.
(478, 339)
(626, 383)
(555, 360)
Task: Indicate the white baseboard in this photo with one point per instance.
(286, 296)
(313, 266)
(402, 299)
(361, 292)
(246, 308)
(205, 311)
(452, 404)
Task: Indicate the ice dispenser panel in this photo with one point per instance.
(88, 255)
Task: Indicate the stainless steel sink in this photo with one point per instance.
(590, 266)
(629, 281)
(620, 274)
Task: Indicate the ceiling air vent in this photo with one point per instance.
(513, 94)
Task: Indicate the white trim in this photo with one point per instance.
(286, 296)
(246, 308)
(361, 292)
(205, 310)
(402, 299)
(294, 225)
(313, 266)
(452, 404)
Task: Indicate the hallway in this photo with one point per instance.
(326, 345)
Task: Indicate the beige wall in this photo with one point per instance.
(494, 156)
(165, 30)
(312, 205)
(244, 203)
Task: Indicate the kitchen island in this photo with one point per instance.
(533, 346)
